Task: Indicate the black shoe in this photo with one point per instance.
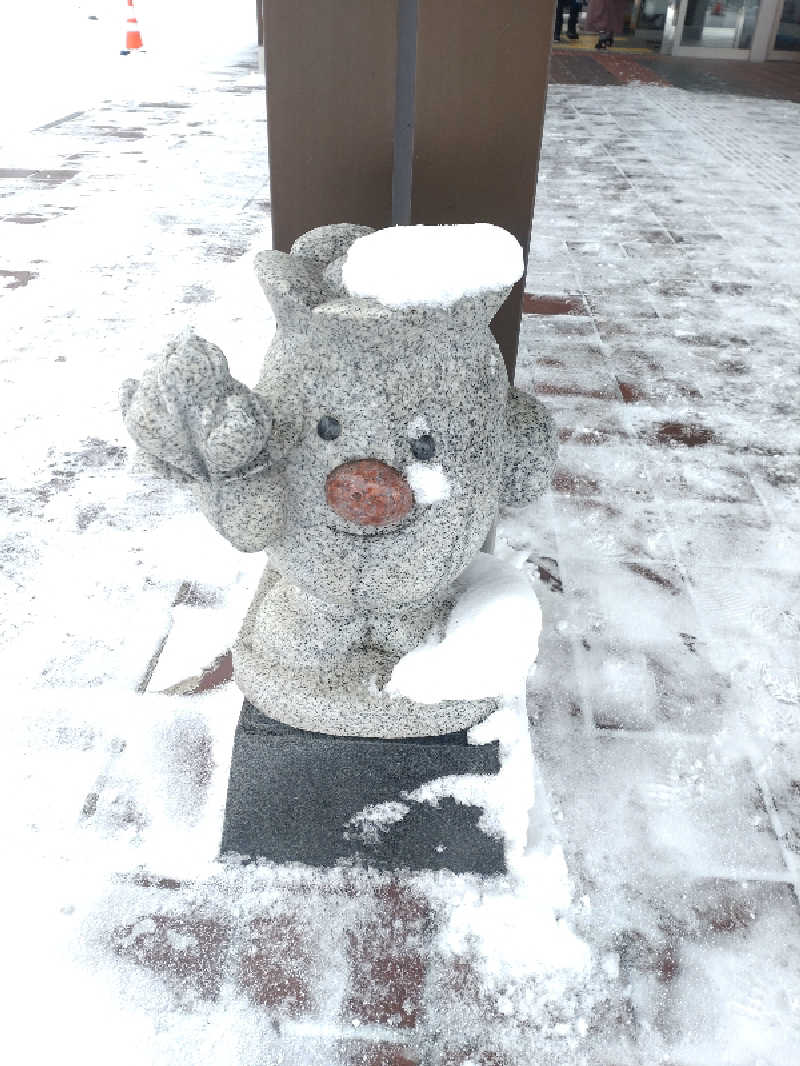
(557, 38)
(605, 42)
(573, 37)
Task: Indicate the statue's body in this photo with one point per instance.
(369, 462)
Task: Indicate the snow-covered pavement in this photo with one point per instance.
(666, 701)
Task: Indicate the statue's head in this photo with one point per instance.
(388, 393)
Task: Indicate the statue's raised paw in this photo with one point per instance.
(190, 413)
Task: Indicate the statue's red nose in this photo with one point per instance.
(368, 492)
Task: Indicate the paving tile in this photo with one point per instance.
(707, 473)
(26, 220)
(388, 960)
(708, 535)
(591, 524)
(776, 478)
(498, 1018)
(736, 980)
(554, 689)
(277, 964)
(580, 69)
(188, 952)
(551, 305)
(786, 797)
(353, 1053)
(554, 383)
(762, 605)
(679, 808)
(17, 279)
(616, 471)
(469, 1055)
(640, 646)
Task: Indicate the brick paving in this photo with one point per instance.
(660, 328)
(667, 368)
(772, 80)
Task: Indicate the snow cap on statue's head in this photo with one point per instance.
(433, 266)
(464, 271)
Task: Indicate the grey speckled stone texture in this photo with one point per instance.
(530, 449)
(303, 661)
(344, 600)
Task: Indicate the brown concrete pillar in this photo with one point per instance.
(481, 86)
(330, 111)
(428, 111)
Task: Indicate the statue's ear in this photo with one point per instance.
(293, 286)
(481, 306)
(531, 449)
(326, 243)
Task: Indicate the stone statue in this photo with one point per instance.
(368, 461)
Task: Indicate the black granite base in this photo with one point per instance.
(292, 795)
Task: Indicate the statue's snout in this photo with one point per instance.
(369, 493)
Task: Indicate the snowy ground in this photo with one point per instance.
(58, 56)
(667, 561)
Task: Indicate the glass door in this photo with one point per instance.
(709, 28)
(732, 29)
(787, 33)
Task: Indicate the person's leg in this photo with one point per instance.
(572, 21)
(559, 19)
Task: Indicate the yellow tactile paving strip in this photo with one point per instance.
(588, 40)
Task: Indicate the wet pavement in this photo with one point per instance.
(774, 80)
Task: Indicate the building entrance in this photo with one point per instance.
(726, 29)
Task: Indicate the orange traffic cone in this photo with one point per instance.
(133, 38)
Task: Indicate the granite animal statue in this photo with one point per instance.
(368, 461)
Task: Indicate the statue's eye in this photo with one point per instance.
(328, 427)
(423, 447)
